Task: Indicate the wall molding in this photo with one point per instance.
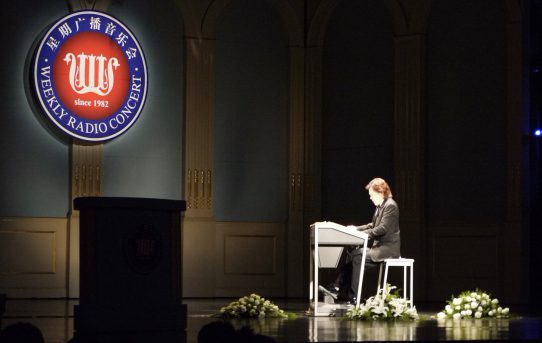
(42, 270)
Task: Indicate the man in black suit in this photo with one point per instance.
(383, 231)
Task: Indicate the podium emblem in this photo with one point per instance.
(143, 249)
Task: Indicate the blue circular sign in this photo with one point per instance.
(90, 76)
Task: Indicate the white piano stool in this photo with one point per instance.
(408, 265)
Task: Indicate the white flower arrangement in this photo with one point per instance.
(385, 305)
(477, 304)
(252, 306)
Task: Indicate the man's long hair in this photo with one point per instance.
(379, 185)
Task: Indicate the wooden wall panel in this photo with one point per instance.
(39, 252)
(463, 258)
(250, 257)
(33, 257)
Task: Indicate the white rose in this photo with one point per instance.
(478, 315)
(449, 310)
(480, 309)
(468, 313)
(441, 315)
(490, 313)
(473, 304)
(484, 303)
(473, 294)
(495, 301)
(457, 301)
(468, 299)
(457, 316)
(458, 308)
(499, 310)
(466, 306)
(505, 310)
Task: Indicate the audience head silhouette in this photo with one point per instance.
(216, 332)
(21, 333)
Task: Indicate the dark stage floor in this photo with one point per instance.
(55, 319)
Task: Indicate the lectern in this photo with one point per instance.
(327, 243)
(130, 265)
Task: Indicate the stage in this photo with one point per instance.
(55, 319)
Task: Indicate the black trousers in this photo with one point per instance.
(348, 279)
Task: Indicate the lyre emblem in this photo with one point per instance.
(86, 77)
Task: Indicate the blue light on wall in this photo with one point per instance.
(537, 132)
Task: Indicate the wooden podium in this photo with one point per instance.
(130, 265)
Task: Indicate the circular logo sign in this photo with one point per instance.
(90, 76)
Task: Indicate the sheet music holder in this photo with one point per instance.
(328, 240)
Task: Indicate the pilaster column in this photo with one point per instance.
(86, 180)
(296, 175)
(315, 35)
(409, 147)
(409, 125)
(312, 187)
(200, 240)
(199, 129)
(312, 190)
(313, 135)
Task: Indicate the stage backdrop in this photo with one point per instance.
(268, 115)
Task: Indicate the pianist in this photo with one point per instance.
(383, 231)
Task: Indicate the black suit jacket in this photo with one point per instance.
(384, 230)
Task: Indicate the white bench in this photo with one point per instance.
(407, 264)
